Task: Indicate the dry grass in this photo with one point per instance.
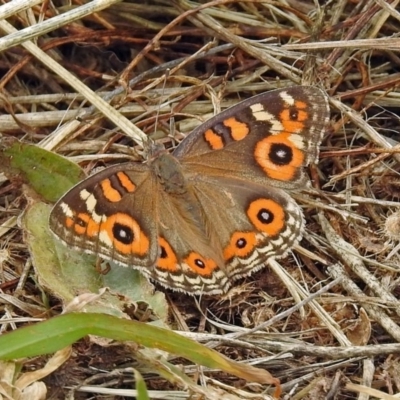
(342, 344)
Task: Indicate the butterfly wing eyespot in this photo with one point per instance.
(267, 216)
(167, 260)
(294, 116)
(83, 224)
(123, 233)
(279, 156)
(241, 244)
(200, 265)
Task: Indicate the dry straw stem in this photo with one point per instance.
(9, 9)
(123, 123)
(18, 37)
(382, 44)
(365, 128)
(279, 345)
(349, 256)
(298, 292)
(368, 391)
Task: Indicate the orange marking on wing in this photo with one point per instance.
(300, 105)
(80, 223)
(126, 182)
(109, 192)
(239, 130)
(92, 228)
(85, 225)
(200, 265)
(240, 245)
(168, 260)
(294, 125)
(138, 242)
(281, 172)
(69, 222)
(215, 141)
(267, 216)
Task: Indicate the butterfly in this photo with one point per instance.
(215, 209)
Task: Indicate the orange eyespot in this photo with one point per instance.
(292, 118)
(200, 265)
(84, 225)
(267, 216)
(167, 259)
(278, 156)
(240, 245)
(124, 233)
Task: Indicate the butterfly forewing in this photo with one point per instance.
(265, 139)
(113, 214)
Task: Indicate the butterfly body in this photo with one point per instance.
(214, 210)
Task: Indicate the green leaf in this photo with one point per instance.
(141, 387)
(59, 332)
(47, 173)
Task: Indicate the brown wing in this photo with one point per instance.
(112, 213)
(229, 230)
(266, 139)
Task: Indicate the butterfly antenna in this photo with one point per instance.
(156, 147)
(166, 75)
